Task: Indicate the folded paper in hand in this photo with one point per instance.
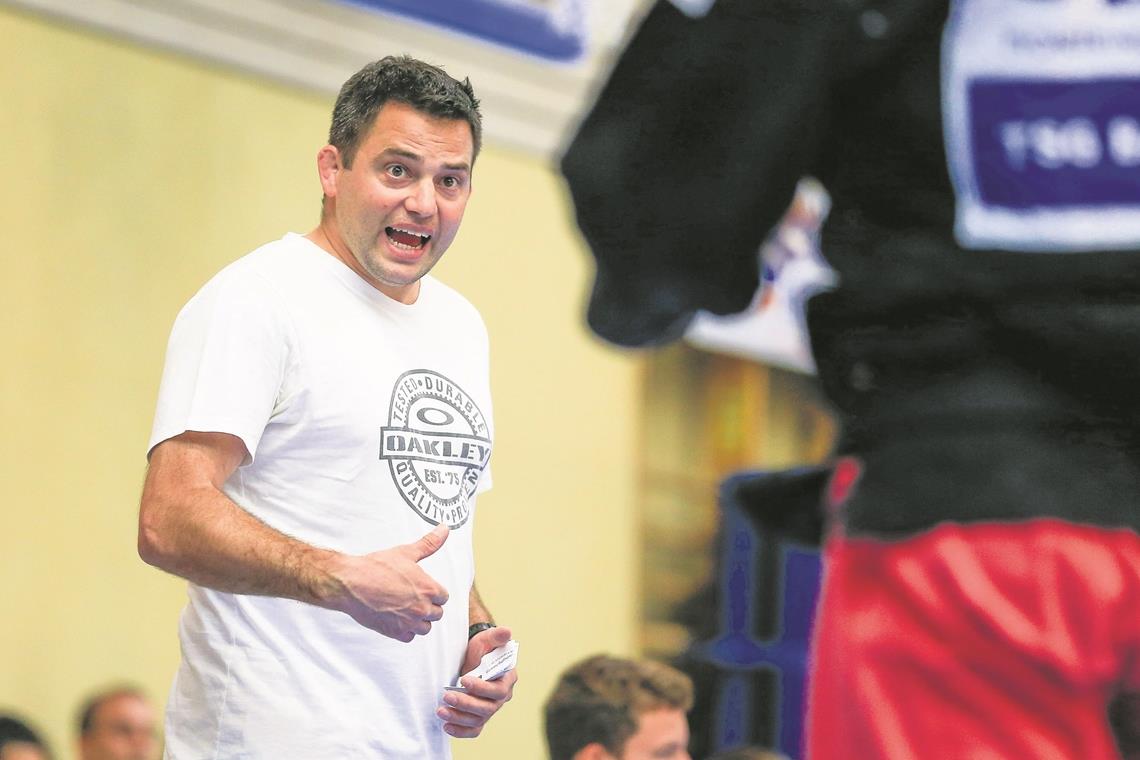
(495, 664)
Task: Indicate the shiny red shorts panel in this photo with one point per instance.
(979, 641)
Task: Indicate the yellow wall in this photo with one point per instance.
(131, 176)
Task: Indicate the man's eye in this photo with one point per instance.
(397, 171)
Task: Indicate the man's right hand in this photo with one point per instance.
(388, 591)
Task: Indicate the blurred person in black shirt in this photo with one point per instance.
(982, 346)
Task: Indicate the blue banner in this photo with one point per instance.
(556, 34)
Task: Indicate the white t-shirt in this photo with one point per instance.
(367, 421)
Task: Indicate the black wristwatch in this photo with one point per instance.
(476, 628)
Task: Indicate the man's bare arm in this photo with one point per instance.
(477, 611)
(189, 527)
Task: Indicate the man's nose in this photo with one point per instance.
(421, 199)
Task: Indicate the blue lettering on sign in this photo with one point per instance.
(1056, 144)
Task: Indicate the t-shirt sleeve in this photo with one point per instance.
(225, 361)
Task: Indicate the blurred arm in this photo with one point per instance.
(691, 154)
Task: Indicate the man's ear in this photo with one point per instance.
(329, 167)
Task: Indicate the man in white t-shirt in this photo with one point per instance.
(323, 427)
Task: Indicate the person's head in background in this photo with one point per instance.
(118, 724)
(19, 742)
(611, 708)
(746, 753)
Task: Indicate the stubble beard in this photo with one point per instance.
(388, 274)
(368, 251)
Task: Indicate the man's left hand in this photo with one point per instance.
(465, 714)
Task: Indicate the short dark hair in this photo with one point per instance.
(405, 80)
(601, 698)
(747, 753)
(14, 731)
(85, 719)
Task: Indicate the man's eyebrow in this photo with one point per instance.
(460, 166)
(401, 153)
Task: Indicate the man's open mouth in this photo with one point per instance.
(406, 239)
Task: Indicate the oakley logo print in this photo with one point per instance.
(436, 445)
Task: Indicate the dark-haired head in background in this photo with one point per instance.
(612, 708)
(119, 723)
(18, 741)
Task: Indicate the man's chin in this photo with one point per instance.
(399, 278)
(399, 274)
(395, 271)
